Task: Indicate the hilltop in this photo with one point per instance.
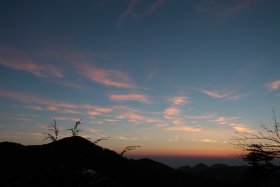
(76, 161)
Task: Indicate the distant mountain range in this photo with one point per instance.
(76, 161)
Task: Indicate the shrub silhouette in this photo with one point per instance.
(53, 128)
(75, 131)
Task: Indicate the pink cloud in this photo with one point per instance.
(34, 99)
(134, 116)
(273, 85)
(15, 59)
(183, 129)
(215, 94)
(96, 111)
(130, 97)
(201, 116)
(131, 116)
(179, 100)
(206, 140)
(106, 77)
(36, 108)
(224, 94)
(66, 119)
(222, 120)
(68, 111)
(242, 128)
(171, 112)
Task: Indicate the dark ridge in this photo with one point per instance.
(76, 161)
(218, 166)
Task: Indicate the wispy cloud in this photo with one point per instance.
(226, 95)
(123, 138)
(21, 117)
(232, 122)
(205, 140)
(179, 100)
(96, 111)
(66, 119)
(222, 120)
(107, 77)
(130, 11)
(221, 11)
(37, 103)
(216, 94)
(273, 85)
(201, 117)
(68, 84)
(16, 59)
(30, 98)
(135, 117)
(35, 107)
(183, 129)
(130, 97)
(171, 112)
(242, 128)
(154, 6)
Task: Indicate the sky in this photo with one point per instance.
(178, 78)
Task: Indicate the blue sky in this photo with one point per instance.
(176, 77)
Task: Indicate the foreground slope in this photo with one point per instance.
(75, 161)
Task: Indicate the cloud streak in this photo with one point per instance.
(219, 10)
(273, 85)
(135, 117)
(107, 77)
(171, 112)
(201, 117)
(184, 129)
(231, 122)
(16, 59)
(226, 95)
(180, 100)
(134, 4)
(130, 97)
(38, 103)
(205, 140)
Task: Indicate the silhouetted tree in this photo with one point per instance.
(267, 140)
(129, 148)
(75, 131)
(257, 157)
(101, 139)
(53, 128)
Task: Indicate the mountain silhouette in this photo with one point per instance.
(76, 161)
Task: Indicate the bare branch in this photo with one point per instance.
(101, 139)
(129, 148)
(268, 139)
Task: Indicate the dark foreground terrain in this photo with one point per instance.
(75, 161)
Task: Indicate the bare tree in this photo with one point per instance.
(129, 148)
(75, 131)
(267, 139)
(53, 128)
(101, 139)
